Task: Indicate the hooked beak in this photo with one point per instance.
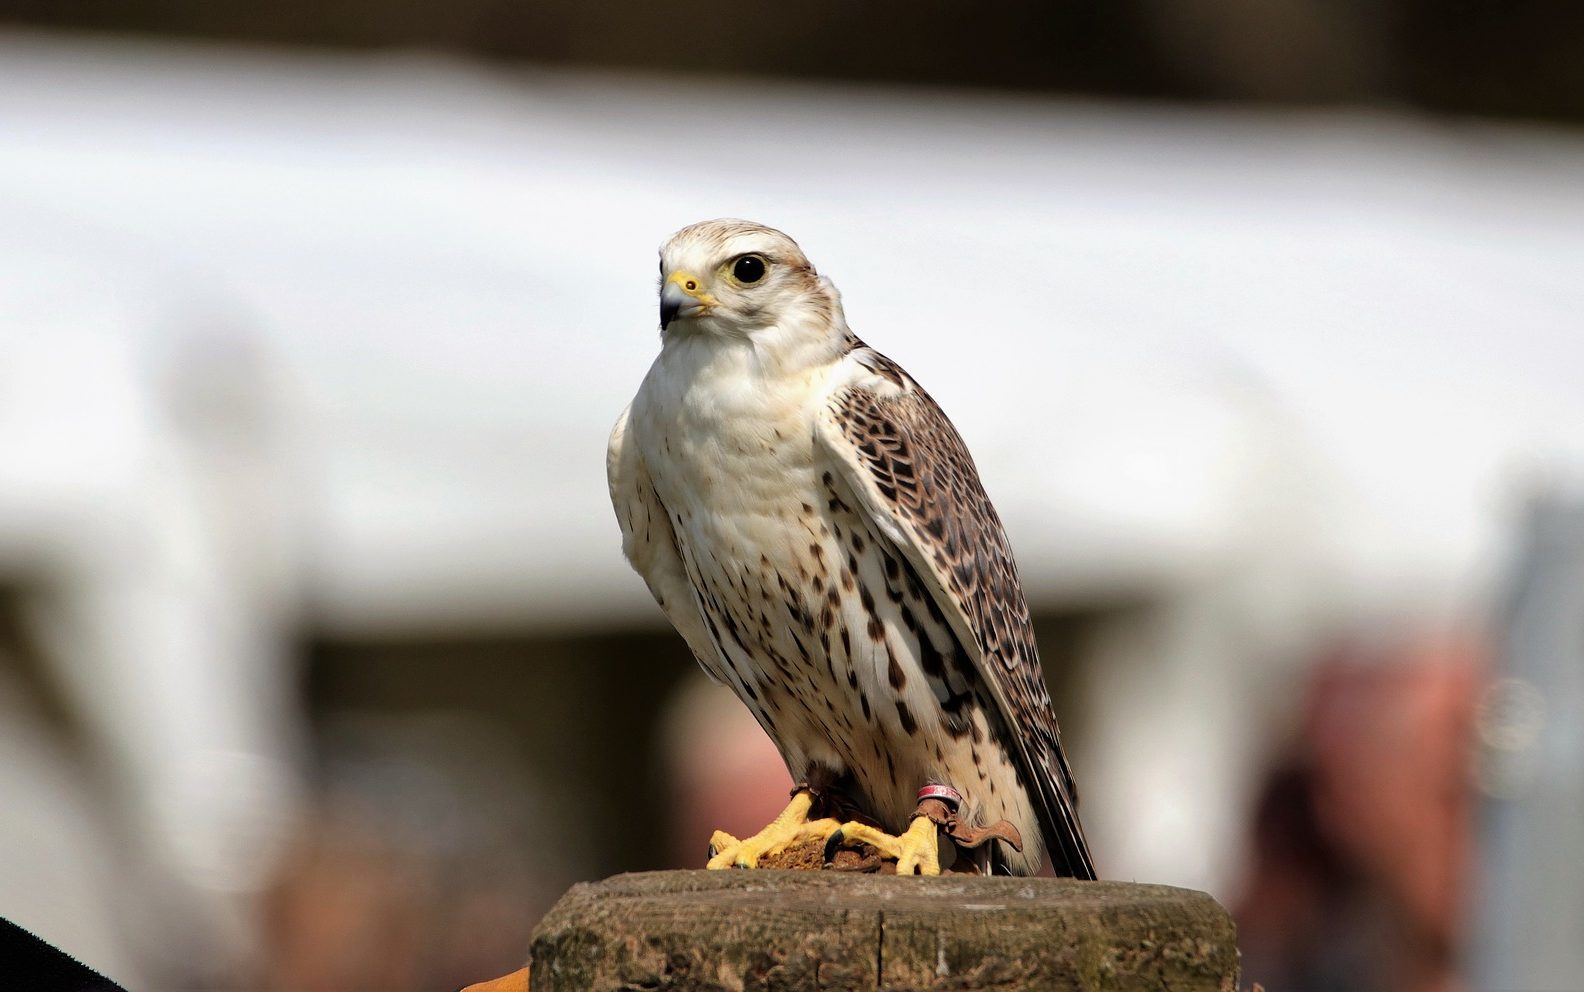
(682, 296)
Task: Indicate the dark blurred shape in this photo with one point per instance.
(1531, 879)
(347, 912)
(411, 871)
(578, 712)
(1523, 59)
(1515, 59)
(1361, 836)
(28, 962)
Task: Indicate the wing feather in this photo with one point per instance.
(903, 459)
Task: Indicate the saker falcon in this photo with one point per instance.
(812, 524)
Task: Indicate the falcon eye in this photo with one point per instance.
(748, 269)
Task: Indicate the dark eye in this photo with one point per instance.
(749, 268)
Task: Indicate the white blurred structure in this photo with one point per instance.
(280, 330)
(1532, 770)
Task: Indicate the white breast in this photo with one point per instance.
(731, 452)
(713, 428)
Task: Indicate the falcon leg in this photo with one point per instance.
(791, 827)
(917, 850)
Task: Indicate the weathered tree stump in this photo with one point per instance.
(793, 930)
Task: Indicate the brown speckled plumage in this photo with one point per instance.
(815, 528)
(918, 467)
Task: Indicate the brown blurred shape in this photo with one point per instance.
(1362, 833)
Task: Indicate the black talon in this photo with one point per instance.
(832, 843)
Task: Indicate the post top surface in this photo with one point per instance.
(856, 890)
(768, 929)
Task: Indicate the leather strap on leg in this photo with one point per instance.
(940, 802)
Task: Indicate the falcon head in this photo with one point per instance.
(741, 279)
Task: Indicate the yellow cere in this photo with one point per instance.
(693, 286)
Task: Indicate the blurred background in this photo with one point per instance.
(320, 667)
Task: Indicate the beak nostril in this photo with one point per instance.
(682, 297)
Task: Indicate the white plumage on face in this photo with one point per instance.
(736, 278)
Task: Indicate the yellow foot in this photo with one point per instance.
(917, 850)
(792, 827)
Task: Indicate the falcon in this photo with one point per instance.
(813, 526)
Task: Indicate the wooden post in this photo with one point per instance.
(798, 930)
